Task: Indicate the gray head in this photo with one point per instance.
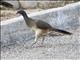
(22, 12)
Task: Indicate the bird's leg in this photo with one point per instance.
(35, 41)
(42, 40)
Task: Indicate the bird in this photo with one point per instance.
(40, 27)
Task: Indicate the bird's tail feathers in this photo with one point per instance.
(61, 31)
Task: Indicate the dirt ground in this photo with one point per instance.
(8, 14)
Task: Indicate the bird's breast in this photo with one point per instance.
(40, 31)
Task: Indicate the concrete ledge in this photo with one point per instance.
(66, 18)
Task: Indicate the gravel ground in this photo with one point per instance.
(57, 47)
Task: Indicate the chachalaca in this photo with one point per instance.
(41, 28)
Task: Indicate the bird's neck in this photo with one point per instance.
(25, 16)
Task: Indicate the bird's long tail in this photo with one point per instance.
(61, 31)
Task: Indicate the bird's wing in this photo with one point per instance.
(42, 25)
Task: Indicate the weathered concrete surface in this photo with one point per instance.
(16, 36)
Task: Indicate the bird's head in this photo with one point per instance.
(22, 12)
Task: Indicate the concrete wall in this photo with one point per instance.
(15, 31)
